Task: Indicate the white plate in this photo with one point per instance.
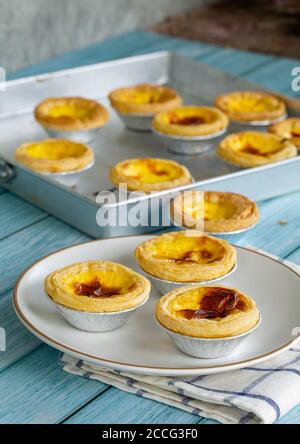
(141, 346)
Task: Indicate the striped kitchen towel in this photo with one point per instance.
(257, 394)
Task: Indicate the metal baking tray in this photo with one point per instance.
(77, 205)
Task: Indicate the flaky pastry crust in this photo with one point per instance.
(288, 129)
(186, 256)
(251, 106)
(123, 288)
(149, 174)
(219, 212)
(71, 114)
(251, 149)
(191, 121)
(144, 99)
(171, 307)
(55, 156)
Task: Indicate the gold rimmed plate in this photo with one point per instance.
(140, 346)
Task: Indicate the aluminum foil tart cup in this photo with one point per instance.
(163, 286)
(216, 234)
(137, 122)
(69, 178)
(189, 145)
(207, 348)
(95, 322)
(80, 136)
(236, 126)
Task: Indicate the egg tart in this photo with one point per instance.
(251, 149)
(55, 156)
(209, 312)
(186, 256)
(144, 99)
(288, 129)
(191, 121)
(150, 174)
(97, 287)
(218, 212)
(71, 114)
(251, 106)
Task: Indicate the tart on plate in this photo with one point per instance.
(251, 106)
(55, 156)
(71, 114)
(144, 99)
(252, 148)
(208, 312)
(97, 296)
(288, 129)
(97, 287)
(150, 174)
(215, 211)
(186, 257)
(191, 121)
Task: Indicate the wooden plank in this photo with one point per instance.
(36, 390)
(184, 47)
(19, 250)
(293, 417)
(19, 341)
(295, 256)
(117, 407)
(276, 75)
(270, 234)
(15, 214)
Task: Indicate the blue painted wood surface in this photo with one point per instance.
(33, 386)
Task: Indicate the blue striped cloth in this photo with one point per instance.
(258, 394)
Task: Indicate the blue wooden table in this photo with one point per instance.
(33, 387)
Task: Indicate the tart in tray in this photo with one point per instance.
(191, 121)
(253, 148)
(251, 106)
(144, 99)
(150, 174)
(55, 156)
(71, 114)
(214, 211)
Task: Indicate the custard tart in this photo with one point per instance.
(71, 114)
(186, 257)
(150, 174)
(288, 129)
(251, 149)
(208, 312)
(97, 287)
(144, 99)
(191, 121)
(251, 106)
(55, 156)
(217, 212)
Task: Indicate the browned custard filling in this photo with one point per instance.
(218, 303)
(249, 149)
(190, 250)
(187, 121)
(94, 289)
